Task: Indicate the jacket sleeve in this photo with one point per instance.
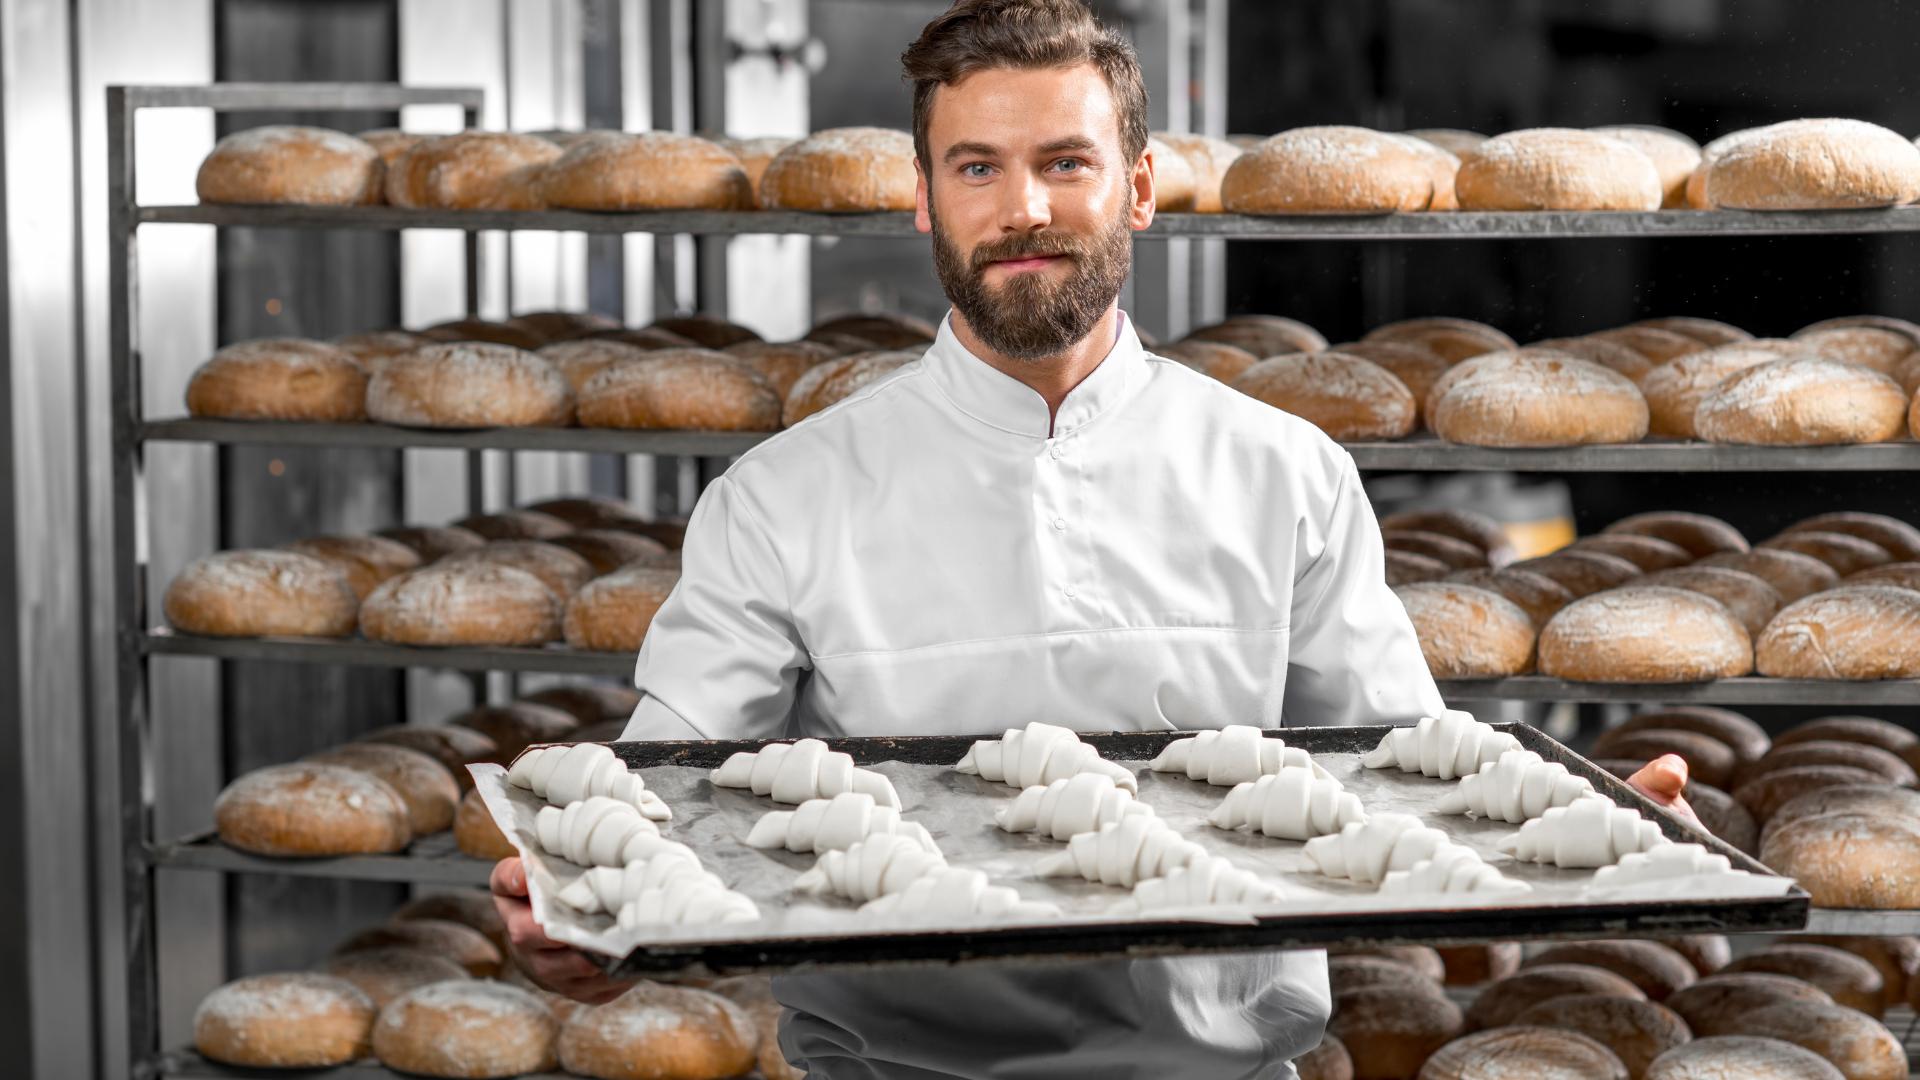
(1353, 657)
(722, 658)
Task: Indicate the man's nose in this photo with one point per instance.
(1025, 207)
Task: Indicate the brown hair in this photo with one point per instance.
(976, 35)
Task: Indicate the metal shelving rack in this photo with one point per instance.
(123, 730)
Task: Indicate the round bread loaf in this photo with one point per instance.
(1645, 634)
(755, 153)
(1824, 164)
(1656, 969)
(1793, 575)
(884, 329)
(669, 531)
(1524, 1053)
(781, 363)
(1697, 183)
(1741, 1057)
(1846, 554)
(1523, 399)
(261, 594)
(1416, 366)
(1834, 752)
(365, 560)
(1329, 170)
(1327, 1061)
(1752, 601)
(466, 1029)
(374, 348)
(1658, 346)
(290, 1020)
(755, 995)
(1853, 632)
(1707, 953)
(457, 942)
(1441, 166)
(1871, 799)
(828, 384)
(554, 327)
(590, 703)
(659, 1032)
(1475, 528)
(476, 834)
(580, 512)
(1901, 540)
(1848, 979)
(561, 570)
(1855, 1043)
(468, 907)
(681, 390)
(1674, 158)
(1707, 331)
(280, 379)
(1707, 758)
(1208, 159)
(1764, 794)
(470, 385)
(1713, 1006)
(1556, 169)
(485, 331)
(1896, 958)
(1802, 401)
(307, 809)
(287, 165)
(1582, 573)
(579, 361)
(1453, 339)
(1264, 335)
(426, 787)
(612, 613)
(1747, 740)
(1390, 1033)
(1468, 633)
(1455, 141)
(1497, 1005)
(481, 603)
(652, 170)
(1347, 974)
(433, 542)
(1649, 553)
(842, 169)
(704, 330)
(525, 524)
(1636, 1031)
(1674, 391)
(608, 550)
(1847, 860)
(453, 747)
(1423, 959)
(1347, 397)
(1457, 554)
(1884, 734)
(473, 170)
(1475, 965)
(1608, 354)
(1173, 180)
(1407, 568)
(385, 974)
(1884, 322)
(1536, 594)
(1699, 534)
(1867, 346)
(1215, 358)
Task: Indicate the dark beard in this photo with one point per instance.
(1030, 317)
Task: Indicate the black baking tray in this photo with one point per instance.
(1146, 938)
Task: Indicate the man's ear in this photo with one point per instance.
(1140, 214)
(922, 217)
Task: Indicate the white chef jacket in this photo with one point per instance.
(927, 557)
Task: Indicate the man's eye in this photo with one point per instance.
(1068, 165)
(977, 170)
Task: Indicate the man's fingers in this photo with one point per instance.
(1662, 779)
(509, 878)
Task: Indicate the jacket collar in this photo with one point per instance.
(997, 399)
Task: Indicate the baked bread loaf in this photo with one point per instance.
(375, 347)
(280, 379)
(612, 613)
(589, 702)
(473, 170)
(825, 385)
(1475, 965)
(311, 810)
(1582, 573)
(755, 153)
(485, 331)
(1707, 953)
(1477, 529)
(1349, 973)
(608, 550)
(1345, 396)
(1453, 339)
(1215, 358)
(651, 170)
(1556, 169)
(1173, 179)
(1329, 170)
(1636, 1031)
(458, 942)
(1708, 331)
(579, 361)
(1884, 734)
(261, 594)
(1389, 1032)
(1416, 366)
(1699, 534)
(1407, 568)
(1824, 164)
(1422, 959)
(1499, 1004)
(526, 524)
(1441, 166)
(1674, 158)
(1852, 632)
(466, 1028)
(679, 390)
(434, 542)
(1659, 346)
(470, 385)
(1854, 755)
(1901, 540)
(880, 329)
(659, 1032)
(1535, 399)
(781, 363)
(1649, 553)
(1713, 1006)
(1536, 594)
(1848, 979)
(1868, 346)
(1846, 554)
(1456, 554)
(423, 784)
(385, 974)
(469, 907)
(1608, 354)
(554, 327)
(365, 560)
(562, 571)
(483, 603)
(1849, 860)
(1802, 401)
(754, 993)
(1469, 633)
(1750, 1057)
(476, 834)
(1752, 601)
(287, 165)
(705, 330)
(1524, 1053)
(1327, 1061)
(1793, 575)
(1853, 1042)
(842, 169)
(1208, 159)
(1708, 759)
(1674, 390)
(1764, 794)
(584, 512)
(1263, 335)
(1747, 740)
(291, 1020)
(1654, 968)
(1896, 958)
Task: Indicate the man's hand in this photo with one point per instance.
(562, 969)
(1662, 780)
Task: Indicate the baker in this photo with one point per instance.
(1039, 520)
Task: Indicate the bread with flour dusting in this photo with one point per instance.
(850, 169)
(1557, 169)
(289, 165)
(1535, 398)
(1822, 164)
(1852, 632)
(680, 389)
(311, 809)
(280, 379)
(1645, 633)
(471, 1027)
(1467, 632)
(1348, 397)
(1674, 390)
(259, 594)
(476, 603)
(470, 385)
(651, 170)
(289, 1020)
(1329, 170)
(1802, 401)
(472, 170)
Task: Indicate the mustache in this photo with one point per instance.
(1026, 246)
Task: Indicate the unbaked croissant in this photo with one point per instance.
(1586, 832)
(1449, 745)
(1205, 881)
(1292, 804)
(1128, 851)
(956, 892)
(1664, 862)
(1232, 755)
(608, 888)
(1519, 787)
(871, 868)
(1453, 868)
(1039, 754)
(798, 771)
(1080, 803)
(568, 774)
(1367, 851)
(687, 900)
(598, 831)
(833, 825)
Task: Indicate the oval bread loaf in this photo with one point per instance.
(470, 385)
(1524, 1053)
(290, 165)
(1535, 399)
(1556, 169)
(852, 169)
(1645, 634)
(308, 809)
(1824, 164)
(280, 379)
(260, 594)
(289, 1020)
(1802, 401)
(1468, 633)
(1853, 632)
(1328, 170)
(1349, 398)
(1698, 533)
(651, 170)
(1749, 1057)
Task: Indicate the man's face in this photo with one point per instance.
(1030, 201)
